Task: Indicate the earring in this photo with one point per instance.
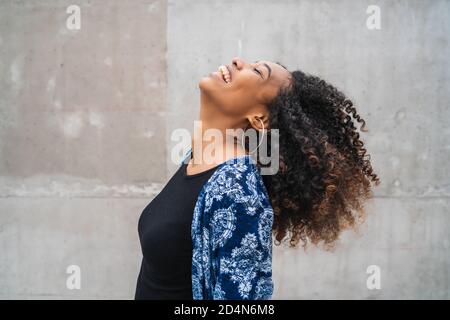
(243, 136)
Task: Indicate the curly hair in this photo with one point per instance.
(325, 173)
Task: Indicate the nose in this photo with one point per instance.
(238, 63)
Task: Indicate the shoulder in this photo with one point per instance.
(237, 181)
(237, 199)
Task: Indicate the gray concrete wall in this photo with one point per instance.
(86, 118)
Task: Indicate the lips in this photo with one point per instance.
(224, 71)
(218, 75)
(229, 70)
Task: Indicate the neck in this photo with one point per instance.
(211, 143)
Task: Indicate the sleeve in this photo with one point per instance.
(242, 240)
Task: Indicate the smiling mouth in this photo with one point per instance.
(225, 72)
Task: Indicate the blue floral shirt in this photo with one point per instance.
(232, 235)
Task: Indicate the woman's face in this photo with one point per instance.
(251, 86)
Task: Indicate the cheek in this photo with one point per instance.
(245, 90)
(239, 98)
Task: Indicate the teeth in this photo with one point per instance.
(225, 73)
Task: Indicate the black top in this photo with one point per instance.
(165, 234)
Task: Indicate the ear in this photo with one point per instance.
(255, 121)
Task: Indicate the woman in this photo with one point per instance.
(208, 234)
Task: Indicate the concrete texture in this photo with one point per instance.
(86, 118)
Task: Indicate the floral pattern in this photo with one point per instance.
(232, 235)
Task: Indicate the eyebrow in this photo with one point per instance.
(268, 68)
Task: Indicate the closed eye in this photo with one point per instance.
(259, 72)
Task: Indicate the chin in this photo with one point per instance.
(205, 83)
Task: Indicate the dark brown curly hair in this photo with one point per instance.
(325, 173)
